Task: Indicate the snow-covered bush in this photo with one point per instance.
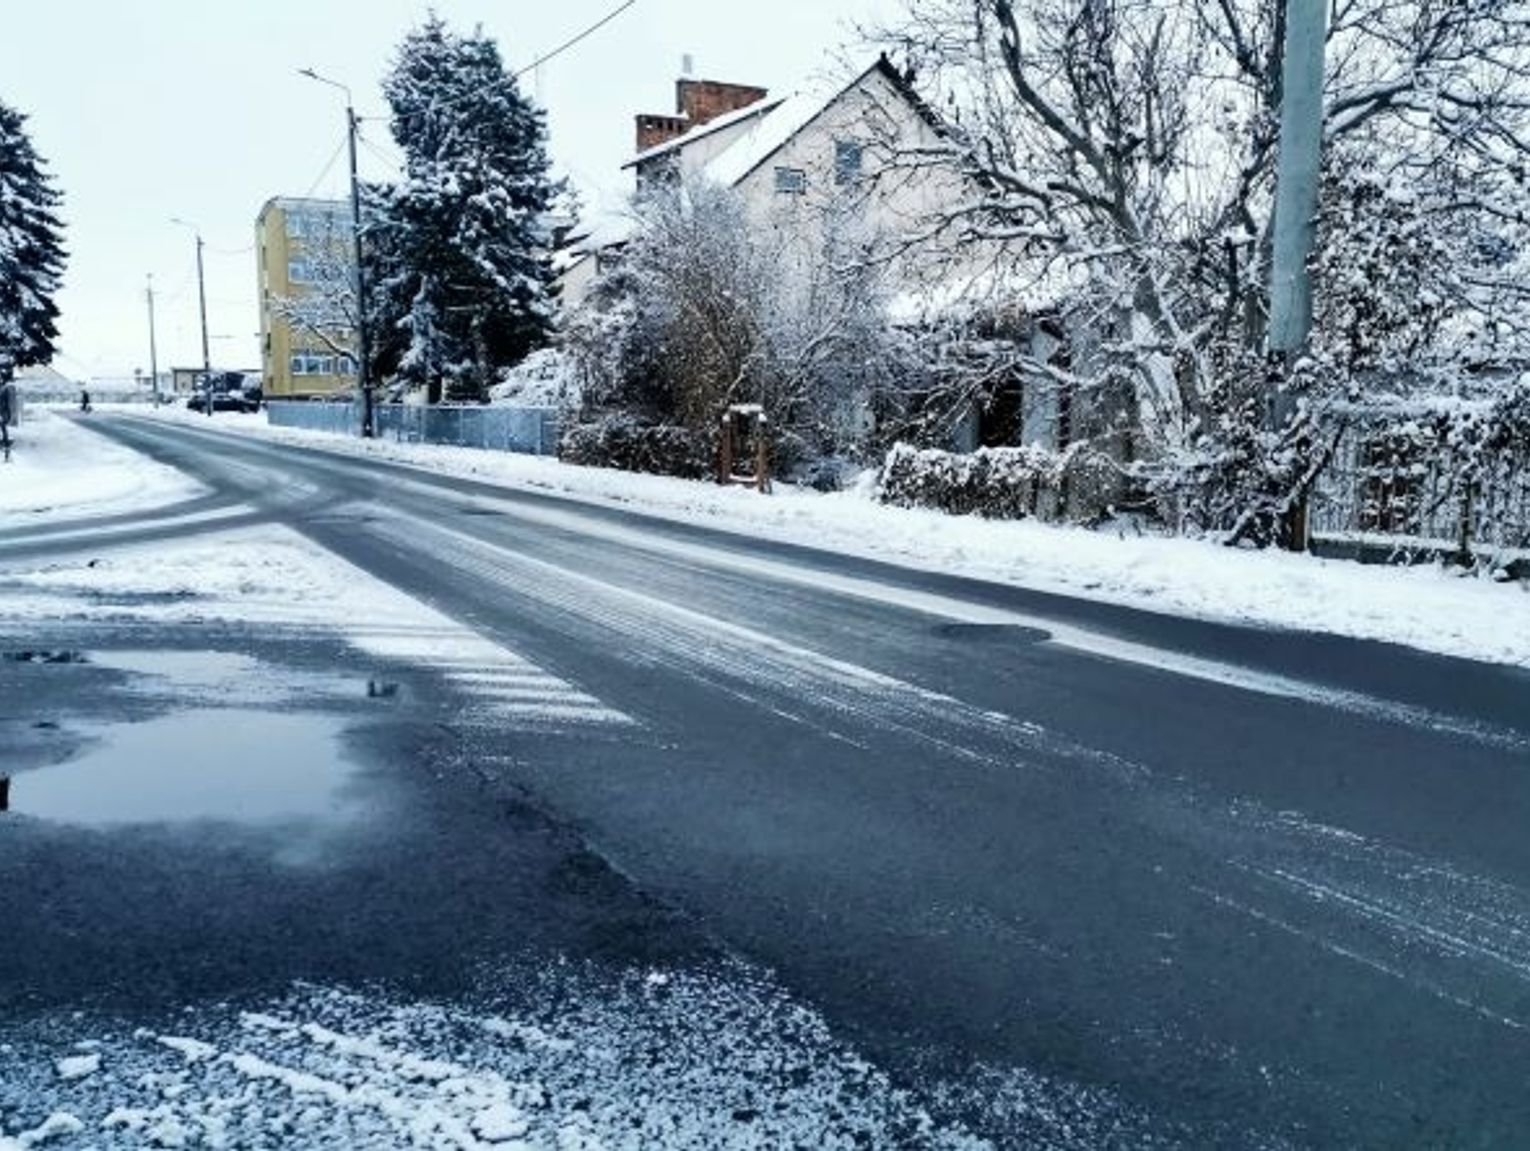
(619, 440)
(545, 379)
(999, 483)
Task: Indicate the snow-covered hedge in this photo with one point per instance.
(625, 442)
(1000, 483)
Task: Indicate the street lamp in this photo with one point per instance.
(363, 351)
(202, 309)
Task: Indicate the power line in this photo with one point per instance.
(377, 153)
(324, 172)
(567, 44)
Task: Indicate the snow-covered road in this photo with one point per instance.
(1013, 867)
(1424, 607)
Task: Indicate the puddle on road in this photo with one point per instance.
(28, 656)
(227, 765)
(229, 678)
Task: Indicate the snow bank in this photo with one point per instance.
(1423, 607)
(60, 471)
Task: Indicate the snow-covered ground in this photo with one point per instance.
(653, 1059)
(1423, 607)
(58, 471)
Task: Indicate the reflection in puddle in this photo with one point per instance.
(243, 766)
(230, 678)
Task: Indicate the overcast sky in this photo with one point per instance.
(193, 108)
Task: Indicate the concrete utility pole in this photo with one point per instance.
(202, 312)
(1296, 204)
(363, 345)
(153, 351)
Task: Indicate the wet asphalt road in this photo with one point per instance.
(1261, 887)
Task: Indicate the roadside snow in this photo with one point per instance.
(247, 574)
(1422, 607)
(59, 471)
(717, 1057)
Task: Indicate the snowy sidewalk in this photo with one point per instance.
(1422, 607)
(59, 472)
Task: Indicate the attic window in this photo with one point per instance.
(792, 181)
(847, 162)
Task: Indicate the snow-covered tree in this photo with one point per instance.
(324, 306)
(1127, 148)
(460, 254)
(31, 250)
(707, 309)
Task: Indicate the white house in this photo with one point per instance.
(803, 164)
(848, 167)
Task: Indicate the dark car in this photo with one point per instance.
(225, 402)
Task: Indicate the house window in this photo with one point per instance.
(298, 365)
(847, 162)
(347, 366)
(298, 272)
(791, 181)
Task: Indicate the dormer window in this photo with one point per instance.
(791, 181)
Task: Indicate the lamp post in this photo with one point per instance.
(202, 311)
(363, 350)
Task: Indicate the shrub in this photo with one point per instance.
(624, 442)
(999, 483)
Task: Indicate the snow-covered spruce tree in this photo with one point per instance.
(1131, 144)
(460, 250)
(31, 250)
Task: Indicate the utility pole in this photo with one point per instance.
(153, 352)
(363, 344)
(202, 309)
(202, 312)
(1298, 169)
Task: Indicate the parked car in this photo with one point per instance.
(225, 402)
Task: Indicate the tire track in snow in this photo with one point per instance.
(1364, 901)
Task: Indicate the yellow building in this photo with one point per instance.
(306, 263)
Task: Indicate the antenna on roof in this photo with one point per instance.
(687, 66)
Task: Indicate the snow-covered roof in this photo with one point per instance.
(768, 135)
(739, 115)
(775, 123)
(593, 233)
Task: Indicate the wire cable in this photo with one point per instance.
(567, 44)
(324, 173)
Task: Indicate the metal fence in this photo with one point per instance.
(531, 431)
(1389, 488)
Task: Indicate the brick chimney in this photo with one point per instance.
(697, 102)
(655, 130)
(701, 101)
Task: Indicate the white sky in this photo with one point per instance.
(150, 109)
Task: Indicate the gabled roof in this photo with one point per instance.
(778, 121)
(748, 111)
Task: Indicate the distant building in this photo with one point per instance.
(43, 384)
(305, 261)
